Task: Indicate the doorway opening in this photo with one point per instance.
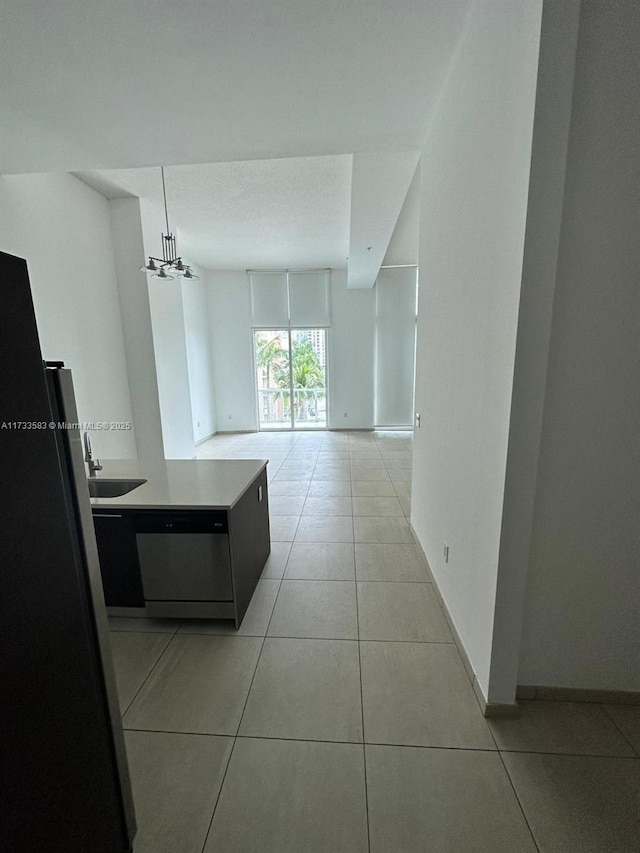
(291, 378)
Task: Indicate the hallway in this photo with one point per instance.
(340, 717)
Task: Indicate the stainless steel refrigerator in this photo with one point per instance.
(63, 770)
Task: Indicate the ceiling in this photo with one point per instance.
(256, 214)
(88, 86)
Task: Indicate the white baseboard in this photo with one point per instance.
(489, 709)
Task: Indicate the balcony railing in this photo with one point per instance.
(309, 406)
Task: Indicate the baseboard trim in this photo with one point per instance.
(497, 709)
(396, 428)
(206, 438)
(236, 431)
(524, 692)
(127, 612)
(489, 709)
(577, 694)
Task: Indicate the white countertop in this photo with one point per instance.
(180, 484)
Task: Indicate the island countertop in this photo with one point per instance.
(197, 484)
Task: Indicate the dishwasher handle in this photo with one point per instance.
(182, 522)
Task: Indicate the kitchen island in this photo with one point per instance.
(190, 542)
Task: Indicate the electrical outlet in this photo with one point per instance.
(229, 417)
(445, 551)
(418, 419)
(345, 414)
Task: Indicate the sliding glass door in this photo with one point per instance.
(272, 374)
(291, 378)
(308, 378)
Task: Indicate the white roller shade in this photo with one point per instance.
(395, 346)
(309, 299)
(299, 299)
(269, 300)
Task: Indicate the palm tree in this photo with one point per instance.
(269, 354)
(307, 372)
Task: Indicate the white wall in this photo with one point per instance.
(582, 622)
(167, 339)
(351, 355)
(349, 363)
(232, 349)
(475, 169)
(168, 326)
(62, 228)
(172, 370)
(199, 355)
(403, 246)
(128, 247)
(560, 19)
(395, 346)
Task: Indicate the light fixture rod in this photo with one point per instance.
(164, 196)
(170, 260)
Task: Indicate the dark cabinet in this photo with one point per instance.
(118, 554)
(185, 563)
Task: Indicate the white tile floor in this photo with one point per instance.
(340, 717)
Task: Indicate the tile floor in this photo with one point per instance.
(339, 718)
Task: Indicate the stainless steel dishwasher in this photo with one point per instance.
(184, 557)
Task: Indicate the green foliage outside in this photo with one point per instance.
(274, 359)
(306, 369)
(268, 355)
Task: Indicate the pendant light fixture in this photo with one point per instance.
(170, 265)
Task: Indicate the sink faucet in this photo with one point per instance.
(94, 464)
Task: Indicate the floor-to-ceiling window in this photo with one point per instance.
(290, 316)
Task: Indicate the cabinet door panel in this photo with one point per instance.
(118, 556)
(185, 567)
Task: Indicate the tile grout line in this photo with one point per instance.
(364, 748)
(515, 794)
(326, 639)
(148, 676)
(343, 580)
(603, 708)
(235, 739)
(215, 805)
(388, 744)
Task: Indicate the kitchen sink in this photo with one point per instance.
(104, 488)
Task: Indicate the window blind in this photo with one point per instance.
(299, 299)
(269, 300)
(309, 298)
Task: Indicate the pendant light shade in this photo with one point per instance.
(162, 273)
